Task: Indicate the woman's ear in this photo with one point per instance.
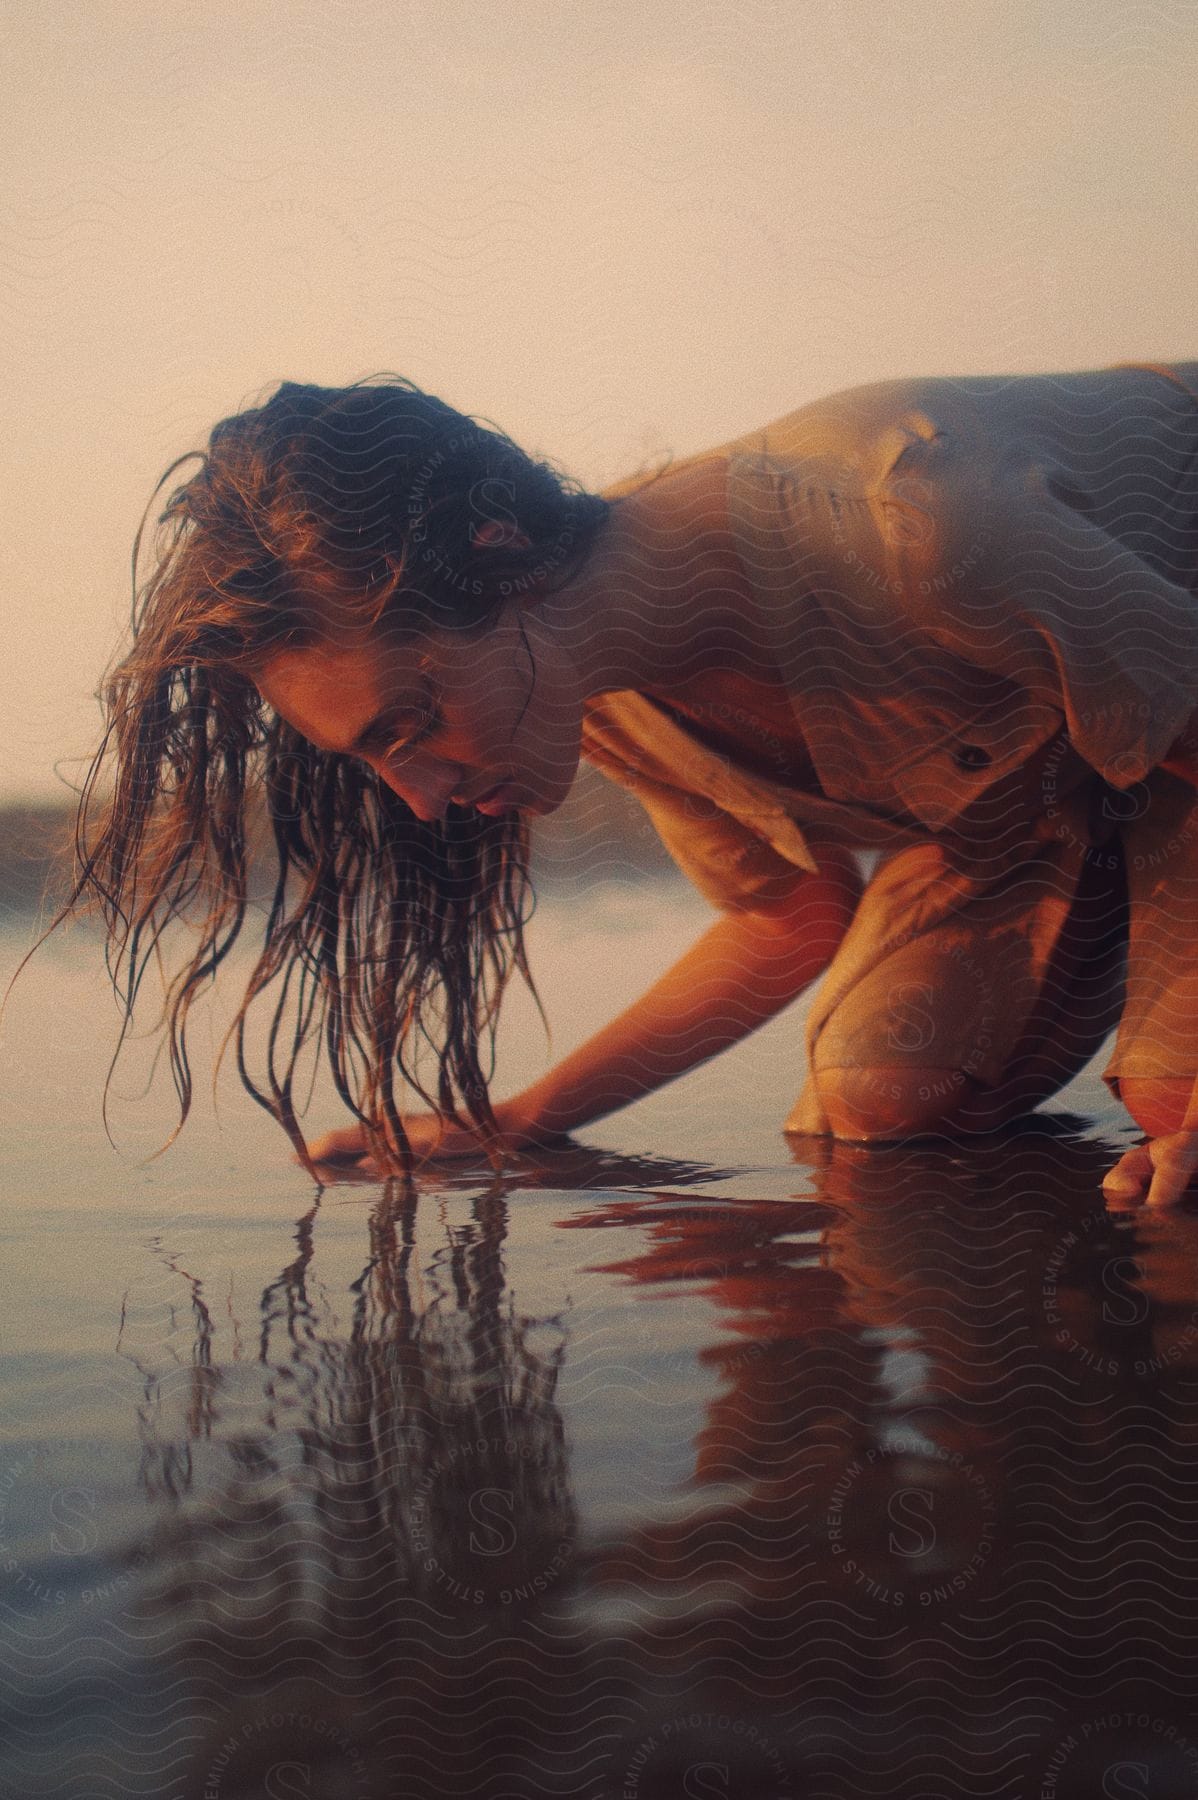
(493, 533)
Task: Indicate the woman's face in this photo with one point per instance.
(447, 720)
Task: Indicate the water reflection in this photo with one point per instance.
(936, 1532)
(943, 1504)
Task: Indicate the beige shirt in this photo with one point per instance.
(978, 592)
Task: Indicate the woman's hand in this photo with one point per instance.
(429, 1137)
(1157, 1173)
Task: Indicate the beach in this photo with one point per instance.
(687, 1454)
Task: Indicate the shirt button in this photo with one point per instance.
(971, 756)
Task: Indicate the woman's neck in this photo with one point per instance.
(663, 602)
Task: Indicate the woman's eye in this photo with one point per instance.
(404, 745)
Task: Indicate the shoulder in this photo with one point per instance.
(673, 477)
(1005, 415)
(865, 429)
(871, 495)
(690, 491)
(846, 425)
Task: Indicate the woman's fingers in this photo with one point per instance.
(430, 1137)
(1129, 1178)
(1174, 1159)
(427, 1137)
(1157, 1173)
(346, 1144)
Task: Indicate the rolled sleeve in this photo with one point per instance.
(732, 836)
(733, 866)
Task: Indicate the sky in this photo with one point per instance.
(613, 229)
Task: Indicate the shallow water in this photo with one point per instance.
(690, 1460)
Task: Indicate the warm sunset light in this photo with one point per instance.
(613, 230)
(599, 943)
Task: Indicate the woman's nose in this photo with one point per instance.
(427, 795)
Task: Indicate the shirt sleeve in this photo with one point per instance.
(1013, 575)
(733, 867)
(737, 844)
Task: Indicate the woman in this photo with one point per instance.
(951, 621)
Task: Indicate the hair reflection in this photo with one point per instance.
(406, 1476)
(339, 1573)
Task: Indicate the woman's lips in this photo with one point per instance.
(500, 799)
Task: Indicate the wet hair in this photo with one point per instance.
(382, 932)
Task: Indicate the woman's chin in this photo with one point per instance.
(511, 797)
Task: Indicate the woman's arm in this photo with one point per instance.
(745, 968)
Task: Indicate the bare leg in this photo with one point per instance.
(1157, 1103)
(1079, 1004)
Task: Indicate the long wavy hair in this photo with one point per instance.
(382, 932)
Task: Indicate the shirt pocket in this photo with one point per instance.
(930, 734)
(946, 779)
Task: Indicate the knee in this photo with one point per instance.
(1157, 1103)
(890, 1102)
